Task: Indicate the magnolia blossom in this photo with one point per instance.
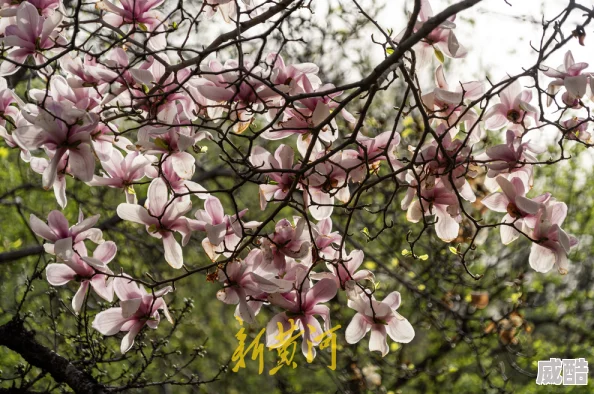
(86, 270)
(137, 309)
(288, 240)
(31, 36)
(552, 243)
(514, 109)
(436, 200)
(141, 12)
(569, 75)
(301, 309)
(62, 237)
(344, 272)
(520, 211)
(381, 319)
(249, 278)
(61, 130)
(282, 160)
(122, 172)
(162, 218)
(441, 39)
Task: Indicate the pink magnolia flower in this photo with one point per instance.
(227, 8)
(520, 211)
(137, 309)
(61, 130)
(62, 237)
(449, 105)
(288, 77)
(178, 170)
(553, 243)
(288, 240)
(87, 72)
(441, 39)
(371, 152)
(577, 129)
(137, 12)
(7, 98)
(381, 319)
(40, 164)
(122, 172)
(569, 75)
(222, 231)
(249, 278)
(45, 7)
(326, 241)
(31, 36)
(514, 109)
(437, 200)
(162, 218)
(344, 271)
(437, 158)
(282, 160)
(87, 271)
(510, 160)
(302, 307)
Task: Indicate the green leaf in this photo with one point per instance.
(439, 55)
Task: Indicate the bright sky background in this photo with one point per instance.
(499, 40)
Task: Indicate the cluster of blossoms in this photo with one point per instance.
(75, 126)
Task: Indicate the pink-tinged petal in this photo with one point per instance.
(497, 202)
(135, 213)
(508, 233)
(128, 340)
(393, 300)
(496, 117)
(321, 112)
(228, 295)
(507, 187)
(541, 259)
(213, 206)
(158, 196)
(568, 60)
(49, 175)
(510, 93)
(216, 233)
(414, 212)
(173, 251)
(183, 164)
(446, 228)
(527, 205)
(216, 93)
(377, 341)
(273, 334)
(558, 213)
(142, 77)
(126, 289)
(130, 307)
(322, 204)
(357, 329)
(59, 274)
(244, 311)
(321, 292)
(400, 330)
(109, 321)
(576, 86)
(426, 12)
(102, 287)
(473, 90)
(29, 137)
(105, 252)
(60, 191)
(79, 297)
(82, 162)
(40, 228)
(63, 248)
(260, 158)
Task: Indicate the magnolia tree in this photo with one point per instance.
(132, 93)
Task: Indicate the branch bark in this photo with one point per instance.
(16, 337)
